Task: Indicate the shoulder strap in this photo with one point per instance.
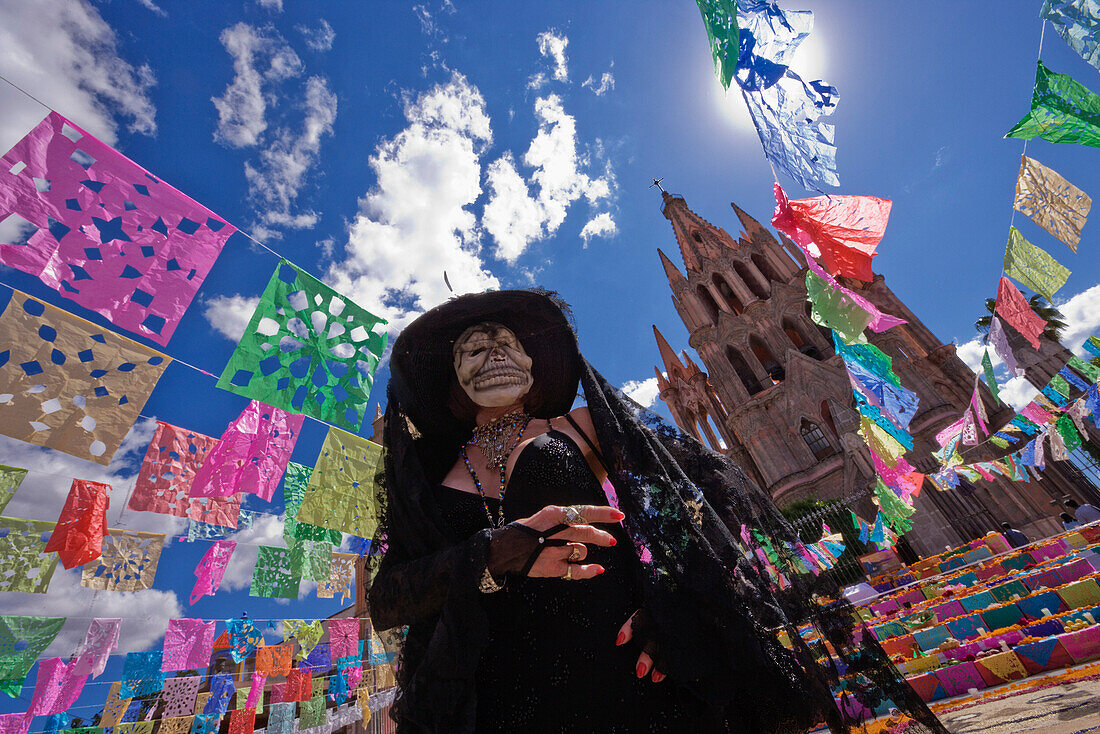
(587, 440)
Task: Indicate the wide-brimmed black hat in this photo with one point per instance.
(422, 362)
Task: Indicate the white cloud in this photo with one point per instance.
(414, 224)
(1017, 392)
(552, 46)
(144, 614)
(1082, 316)
(600, 226)
(150, 5)
(41, 497)
(67, 55)
(643, 392)
(605, 85)
(260, 60)
(278, 179)
(537, 81)
(515, 217)
(319, 38)
(265, 530)
(276, 6)
(229, 315)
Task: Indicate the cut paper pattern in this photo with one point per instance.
(114, 707)
(241, 721)
(795, 140)
(990, 379)
(251, 454)
(206, 531)
(141, 674)
(311, 559)
(1078, 23)
(15, 723)
(318, 661)
(280, 718)
(1014, 308)
(78, 534)
(176, 725)
(999, 340)
(720, 20)
(1067, 374)
(246, 699)
(100, 641)
(846, 230)
(179, 695)
(308, 350)
(167, 471)
(272, 576)
(211, 568)
(343, 636)
(200, 702)
(1062, 111)
(311, 713)
(1051, 201)
(308, 634)
(298, 685)
(294, 491)
(1090, 371)
(10, 479)
(769, 36)
(275, 660)
(341, 580)
(111, 236)
(1065, 428)
(188, 644)
(129, 562)
(24, 563)
(55, 689)
(206, 724)
(68, 384)
(243, 637)
(135, 727)
(834, 310)
(22, 640)
(221, 694)
(340, 494)
(1032, 266)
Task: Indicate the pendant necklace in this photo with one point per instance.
(492, 440)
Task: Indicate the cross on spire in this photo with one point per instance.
(657, 183)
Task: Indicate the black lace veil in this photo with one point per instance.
(691, 513)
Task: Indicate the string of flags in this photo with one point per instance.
(163, 686)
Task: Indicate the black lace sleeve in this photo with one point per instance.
(410, 591)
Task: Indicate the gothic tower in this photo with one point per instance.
(777, 399)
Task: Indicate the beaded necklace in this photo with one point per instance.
(498, 522)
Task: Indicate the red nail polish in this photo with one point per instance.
(600, 570)
(640, 671)
(614, 542)
(658, 677)
(621, 638)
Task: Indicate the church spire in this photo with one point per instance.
(676, 279)
(669, 356)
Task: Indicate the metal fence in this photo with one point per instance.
(837, 515)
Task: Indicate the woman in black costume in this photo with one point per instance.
(529, 606)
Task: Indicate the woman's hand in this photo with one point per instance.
(650, 649)
(511, 548)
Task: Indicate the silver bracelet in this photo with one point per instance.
(488, 585)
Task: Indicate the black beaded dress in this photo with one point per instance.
(551, 663)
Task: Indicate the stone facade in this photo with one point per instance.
(777, 399)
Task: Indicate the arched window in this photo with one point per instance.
(815, 439)
(717, 434)
(764, 266)
(748, 379)
(758, 289)
(708, 303)
(827, 416)
(790, 328)
(767, 360)
(727, 293)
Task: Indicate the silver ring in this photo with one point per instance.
(572, 516)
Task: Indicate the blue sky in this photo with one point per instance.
(379, 144)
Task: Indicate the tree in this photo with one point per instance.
(1045, 309)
